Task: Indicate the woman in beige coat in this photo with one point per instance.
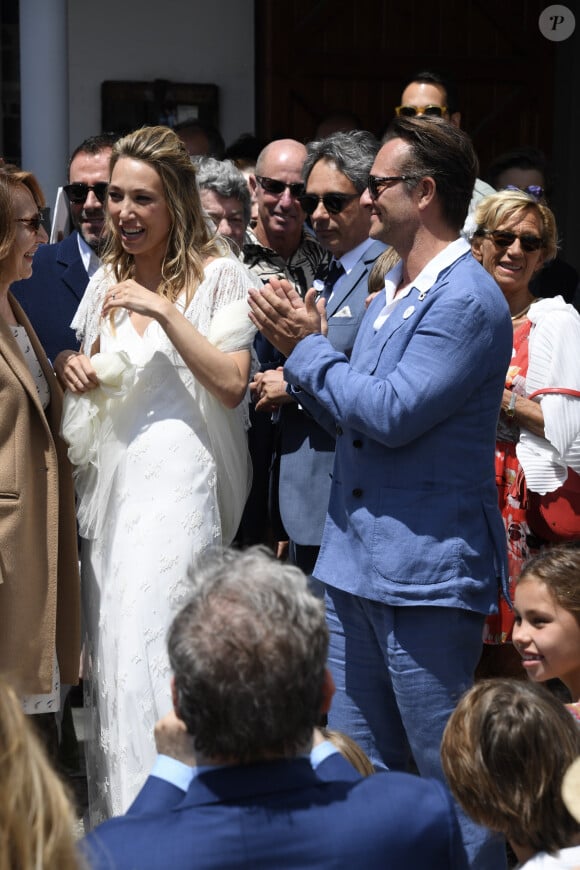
(39, 581)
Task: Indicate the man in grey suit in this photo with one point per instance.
(335, 175)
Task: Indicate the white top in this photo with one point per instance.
(566, 858)
(554, 361)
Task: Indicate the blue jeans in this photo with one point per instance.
(399, 672)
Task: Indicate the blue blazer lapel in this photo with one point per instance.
(359, 273)
(74, 274)
(370, 343)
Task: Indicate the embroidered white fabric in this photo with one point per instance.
(553, 362)
(177, 472)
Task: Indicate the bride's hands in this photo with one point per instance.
(75, 372)
(134, 297)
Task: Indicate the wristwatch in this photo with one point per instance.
(510, 411)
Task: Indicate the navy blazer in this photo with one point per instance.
(51, 296)
(281, 814)
(306, 449)
(413, 516)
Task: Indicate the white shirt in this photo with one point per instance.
(424, 280)
(90, 260)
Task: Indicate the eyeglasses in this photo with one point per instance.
(377, 183)
(413, 111)
(334, 203)
(532, 189)
(505, 238)
(277, 187)
(78, 191)
(34, 222)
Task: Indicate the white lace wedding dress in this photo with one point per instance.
(159, 509)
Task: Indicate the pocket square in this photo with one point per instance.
(344, 312)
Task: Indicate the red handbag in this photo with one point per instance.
(555, 516)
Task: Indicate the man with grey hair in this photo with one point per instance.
(335, 173)
(248, 652)
(225, 196)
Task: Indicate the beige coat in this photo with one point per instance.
(39, 579)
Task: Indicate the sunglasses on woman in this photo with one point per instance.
(505, 238)
(334, 203)
(78, 191)
(34, 222)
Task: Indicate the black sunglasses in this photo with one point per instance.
(277, 187)
(34, 222)
(78, 191)
(505, 238)
(377, 183)
(334, 203)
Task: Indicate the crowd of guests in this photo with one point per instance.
(339, 353)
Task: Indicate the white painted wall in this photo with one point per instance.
(202, 41)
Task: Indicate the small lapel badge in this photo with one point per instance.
(408, 311)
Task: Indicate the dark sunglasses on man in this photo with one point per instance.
(334, 203)
(277, 187)
(78, 191)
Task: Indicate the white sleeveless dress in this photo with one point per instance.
(159, 511)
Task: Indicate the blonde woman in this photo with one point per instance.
(36, 816)
(162, 464)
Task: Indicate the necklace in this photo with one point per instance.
(522, 312)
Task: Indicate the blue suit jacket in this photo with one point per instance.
(306, 449)
(281, 814)
(51, 296)
(413, 515)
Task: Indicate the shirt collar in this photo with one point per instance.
(349, 260)
(429, 274)
(90, 260)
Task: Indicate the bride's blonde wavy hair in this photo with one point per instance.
(191, 241)
(36, 815)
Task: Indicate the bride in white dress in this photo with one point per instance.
(156, 425)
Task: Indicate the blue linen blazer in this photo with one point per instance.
(413, 516)
(281, 814)
(306, 449)
(51, 296)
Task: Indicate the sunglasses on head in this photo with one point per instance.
(532, 190)
(377, 183)
(505, 238)
(78, 191)
(334, 203)
(413, 111)
(277, 187)
(34, 222)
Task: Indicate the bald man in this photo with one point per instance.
(277, 247)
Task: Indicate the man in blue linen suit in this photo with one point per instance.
(248, 654)
(62, 271)
(413, 545)
(335, 175)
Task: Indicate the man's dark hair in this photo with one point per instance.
(248, 654)
(94, 144)
(352, 153)
(431, 77)
(443, 152)
(524, 157)
(216, 144)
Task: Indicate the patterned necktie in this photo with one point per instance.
(334, 273)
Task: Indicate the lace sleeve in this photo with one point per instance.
(220, 308)
(87, 320)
